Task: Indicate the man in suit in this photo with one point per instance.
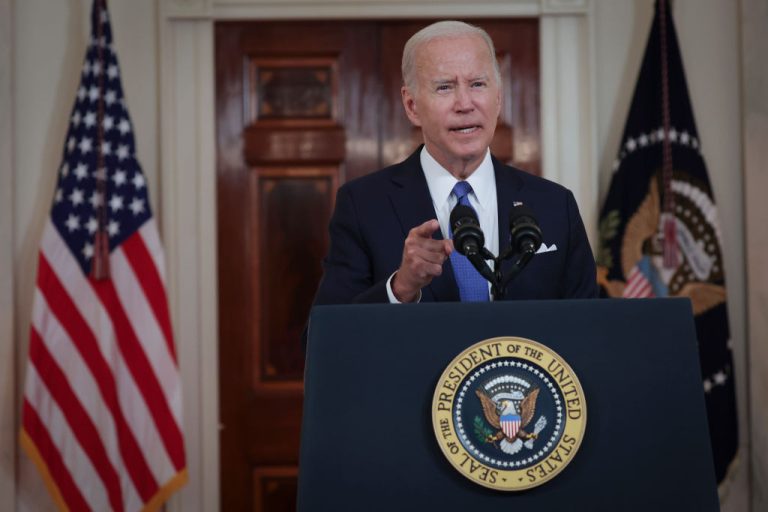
(390, 234)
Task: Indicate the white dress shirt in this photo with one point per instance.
(482, 198)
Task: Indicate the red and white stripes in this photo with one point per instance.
(638, 286)
(102, 403)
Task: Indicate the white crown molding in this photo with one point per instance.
(287, 9)
(568, 7)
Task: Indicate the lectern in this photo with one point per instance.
(368, 442)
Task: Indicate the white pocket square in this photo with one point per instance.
(544, 248)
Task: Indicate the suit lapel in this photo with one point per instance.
(413, 206)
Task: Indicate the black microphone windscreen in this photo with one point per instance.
(524, 230)
(468, 238)
(461, 212)
(519, 211)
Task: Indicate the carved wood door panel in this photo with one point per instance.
(302, 107)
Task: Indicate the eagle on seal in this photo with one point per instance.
(494, 411)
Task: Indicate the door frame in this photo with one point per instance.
(188, 164)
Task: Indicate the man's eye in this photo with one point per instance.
(478, 84)
(443, 87)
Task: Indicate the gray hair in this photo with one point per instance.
(436, 31)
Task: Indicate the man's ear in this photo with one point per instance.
(409, 103)
(499, 100)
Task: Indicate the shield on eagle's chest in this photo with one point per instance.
(510, 424)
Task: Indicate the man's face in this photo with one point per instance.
(456, 101)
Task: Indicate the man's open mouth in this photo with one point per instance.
(466, 129)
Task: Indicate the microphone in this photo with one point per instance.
(468, 238)
(524, 230)
(525, 240)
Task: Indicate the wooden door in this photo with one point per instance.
(301, 107)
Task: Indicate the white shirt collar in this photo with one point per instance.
(441, 182)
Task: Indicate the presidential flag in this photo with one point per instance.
(101, 413)
(659, 230)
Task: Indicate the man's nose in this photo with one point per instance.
(463, 99)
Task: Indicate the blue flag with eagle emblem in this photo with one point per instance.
(659, 231)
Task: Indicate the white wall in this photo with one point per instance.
(7, 313)
(47, 45)
(754, 16)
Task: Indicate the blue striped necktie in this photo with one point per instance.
(472, 286)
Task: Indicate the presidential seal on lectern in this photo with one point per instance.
(509, 413)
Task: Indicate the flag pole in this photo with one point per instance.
(669, 234)
(100, 264)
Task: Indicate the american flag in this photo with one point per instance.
(101, 414)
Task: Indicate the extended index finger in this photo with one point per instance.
(425, 230)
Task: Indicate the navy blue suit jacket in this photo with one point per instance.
(374, 214)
